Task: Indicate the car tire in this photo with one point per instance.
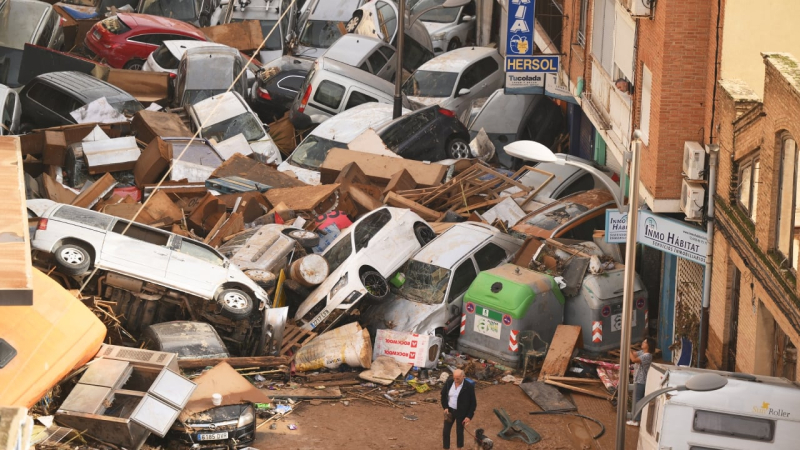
(458, 148)
(453, 44)
(376, 285)
(307, 239)
(423, 233)
(73, 259)
(236, 304)
(352, 24)
(134, 64)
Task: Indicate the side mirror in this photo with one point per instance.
(466, 18)
(463, 91)
(455, 310)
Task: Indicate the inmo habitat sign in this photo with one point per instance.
(662, 233)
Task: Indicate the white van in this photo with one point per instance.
(750, 412)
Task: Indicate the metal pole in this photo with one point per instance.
(398, 76)
(627, 296)
(713, 153)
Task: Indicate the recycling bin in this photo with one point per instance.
(501, 303)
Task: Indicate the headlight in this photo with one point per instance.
(246, 418)
(355, 295)
(339, 284)
(438, 36)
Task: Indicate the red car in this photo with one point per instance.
(126, 40)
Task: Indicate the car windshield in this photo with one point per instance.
(114, 25)
(321, 33)
(274, 42)
(312, 151)
(556, 216)
(426, 83)
(424, 283)
(176, 9)
(338, 252)
(164, 58)
(441, 15)
(245, 123)
(192, 96)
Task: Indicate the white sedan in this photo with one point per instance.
(450, 28)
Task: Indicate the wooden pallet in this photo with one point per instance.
(295, 336)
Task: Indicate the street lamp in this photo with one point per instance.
(534, 151)
(401, 33)
(703, 382)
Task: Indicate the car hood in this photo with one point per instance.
(267, 56)
(308, 52)
(307, 176)
(428, 101)
(434, 27)
(400, 314)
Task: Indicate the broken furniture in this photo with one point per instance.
(531, 346)
(125, 394)
(516, 429)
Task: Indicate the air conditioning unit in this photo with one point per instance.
(641, 7)
(694, 160)
(140, 357)
(693, 197)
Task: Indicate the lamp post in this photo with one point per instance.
(401, 33)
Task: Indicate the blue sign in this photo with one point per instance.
(525, 72)
(520, 28)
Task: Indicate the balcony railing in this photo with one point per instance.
(612, 103)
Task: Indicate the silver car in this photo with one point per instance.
(80, 239)
(10, 111)
(450, 28)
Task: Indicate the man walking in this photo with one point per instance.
(642, 360)
(458, 401)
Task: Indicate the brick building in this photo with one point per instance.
(755, 311)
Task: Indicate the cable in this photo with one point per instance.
(194, 137)
(562, 413)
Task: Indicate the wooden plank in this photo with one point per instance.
(242, 166)
(233, 225)
(605, 396)
(574, 380)
(303, 198)
(305, 393)
(94, 193)
(236, 362)
(362, 199)
(560, 352)
(330, 377)
(16, 272)
(393, 199)
(216, 228)
(380, 168)
(245, 36)
(56, 191)
(162, 208)
(400, 181)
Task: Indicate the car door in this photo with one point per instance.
(375, 245)
(490, 256)
(470, 78)
(10, 114)
(141, 252)
(387, 71)
(197, 268)
(50, 107)
(462, 278)
(488, 71)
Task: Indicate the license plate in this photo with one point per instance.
(317, 320)
(212, 436)
(96, 34)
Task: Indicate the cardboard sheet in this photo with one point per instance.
(226, 381)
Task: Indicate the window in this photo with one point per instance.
(387, 19)
(584, 183)
(651, 418)
(388, 52)
(399, 131)
(647, 89)
(463, 277)
(329, 94)
(164, 58)
(357, 98)
(414, 54)
(152, 39)
(141, 233)
(470, 77)
(731, 425)
(291, 83)
(490, 256)
(603, 34)
(748, 185)
(200, 252)
(787, 238)
(8, 111)
(582, 23)
(47, 31)
(84, 216)
(370, 226)
(56, 101)
(377, 61)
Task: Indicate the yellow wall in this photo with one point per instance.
(754, 26)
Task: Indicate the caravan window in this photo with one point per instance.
(734, 426)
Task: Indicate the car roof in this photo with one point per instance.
(355, 74)
(334, 10)
(349, 124)
(589, 200)
(85, 86)
(179, 47)
(352, 48)
(452, 245)
(220, 51)
(258, 10)
(18, 29)
(231, 105)
(135, 21)
(458, 59)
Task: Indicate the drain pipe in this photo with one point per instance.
(713, 153)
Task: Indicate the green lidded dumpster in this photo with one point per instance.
(500, 303)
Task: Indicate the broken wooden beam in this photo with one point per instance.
(236, 362)
(605, 396)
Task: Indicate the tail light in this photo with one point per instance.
(42, 225)
(173, 75)
(447, 112)
(263, 93)
(304, 101)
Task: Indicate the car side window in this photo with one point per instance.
(200, 252)
(146, 39)
(408, 126)
(358, 98)
(329, 94)
(463, 276)
(8, 110)
(56, 101)
(84, 216)
(291, 83)
(470, 77)
(49, 28)
(584, 183)
(369, 227)
(387, 51)
(377, 61)
(490, 256)
(141, 233)
(585, 230)
(486, 67)
(387, 18)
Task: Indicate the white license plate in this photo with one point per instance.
(96, 34)
(212, 436)
(318, 320)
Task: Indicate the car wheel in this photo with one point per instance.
(458, 148)
(306, 239)
(73, 259)
(236, 304)
(453, 44)
(352, 24)
(377, 286)
(134, 64)
(423, 233)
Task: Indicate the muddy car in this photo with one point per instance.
(573, 217)
(80, 239)
(436, 278)
(360, 259)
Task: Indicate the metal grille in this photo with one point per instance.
(690, 283)
(139, 355)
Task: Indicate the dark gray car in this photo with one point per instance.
(207, 71)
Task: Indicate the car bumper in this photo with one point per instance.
(237, 437)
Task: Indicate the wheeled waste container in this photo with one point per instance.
(499, 304)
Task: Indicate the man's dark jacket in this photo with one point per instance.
(466, 399)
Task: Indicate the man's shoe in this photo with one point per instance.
(633, 423)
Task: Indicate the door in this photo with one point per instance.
(387, 71)
(463, 276)
(141, 252)
(733, 332)
(196, 268)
